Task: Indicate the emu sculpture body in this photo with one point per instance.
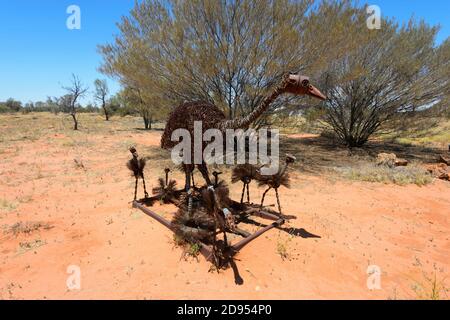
(136, 165)
(281, 178)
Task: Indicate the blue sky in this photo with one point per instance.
(38, 53)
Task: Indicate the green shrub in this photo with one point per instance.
(4, 109)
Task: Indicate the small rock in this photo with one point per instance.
(444, 176)
(401, 162)
(439, 171)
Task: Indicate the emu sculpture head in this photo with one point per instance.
(300, 85)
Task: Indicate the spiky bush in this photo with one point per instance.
(167, 194)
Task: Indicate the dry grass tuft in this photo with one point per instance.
(30, 245)
(431, 288)
(26, 228)
(7, 206)
(79, 164)
(370, 172)
(425, 132)
(283, 246)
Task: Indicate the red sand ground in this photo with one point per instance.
(124, 254)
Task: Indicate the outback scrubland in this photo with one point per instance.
(65, 200)
(361, 101)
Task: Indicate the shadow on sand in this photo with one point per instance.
(297, 232)
(319, 154)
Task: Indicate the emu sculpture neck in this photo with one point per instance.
(244, 122)
(284, 168)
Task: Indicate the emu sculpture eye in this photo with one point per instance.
(305, 83)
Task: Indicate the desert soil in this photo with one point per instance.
(73, 192)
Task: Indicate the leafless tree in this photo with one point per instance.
(76, 91)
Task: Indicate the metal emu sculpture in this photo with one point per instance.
(166, 189)
(184, 116)
(137, 165)
(216, 175)
(281, 178)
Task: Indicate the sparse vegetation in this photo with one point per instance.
(370, 172)
(30, 245)
(433, 131)
(190, 249)
(15, 128)
(283, 247)
(193, 250)
(431, 288)
(6, 205)
(282, 250)
(387, 92)
(178, 241)
(26, 228)
(76, 221)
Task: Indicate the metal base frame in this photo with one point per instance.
(206, 250)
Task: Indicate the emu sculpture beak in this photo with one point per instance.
(314, 92)
(300, 85)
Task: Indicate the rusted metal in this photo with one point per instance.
(205, 250)
(241, 232)
(152, 214)
(216, 177)
(267, 215)
(262, 214)
(238, 246)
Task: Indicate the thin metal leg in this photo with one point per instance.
(188, 173)
(264, 195)
(190, 202)
(248, 192)
(204, 171)
(192, 178)
(278, 200)
(243, 192)
(145, 188)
